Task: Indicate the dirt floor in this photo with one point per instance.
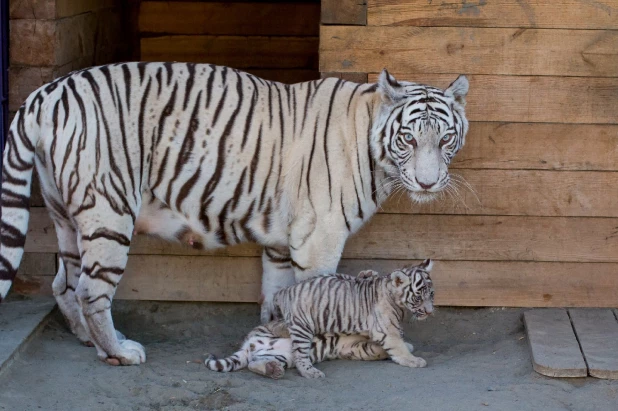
(477, 359)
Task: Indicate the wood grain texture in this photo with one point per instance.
(352, 12)
(597, 332)
(445, 237)
(570, 14)
(520, 192)
(533, 99)
(540, 146)
(457, 283)
(225, 18)
(553, 345)
(506, 51)
(191, 279)
(348, 76)
(234, 51)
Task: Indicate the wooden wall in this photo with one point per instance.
(277, 40)
(541, 154)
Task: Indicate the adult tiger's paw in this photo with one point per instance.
(131, 353)
(267, 311)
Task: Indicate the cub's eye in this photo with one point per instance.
(409, 138)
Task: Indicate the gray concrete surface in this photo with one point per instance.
(478, 359)
(20, 319)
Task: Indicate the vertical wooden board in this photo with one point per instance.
(191, 279)
(597, 332)
(350, 12)
(598, 14)
(554, 348)
(532, 99)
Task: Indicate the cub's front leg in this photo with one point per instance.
(398, 350)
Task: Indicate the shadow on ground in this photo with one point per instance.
(477, 359)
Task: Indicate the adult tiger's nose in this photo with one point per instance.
(425, 186)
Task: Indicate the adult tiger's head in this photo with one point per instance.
(418, 131)
(412, 289)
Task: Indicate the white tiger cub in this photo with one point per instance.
(267, 349)
(376, 306)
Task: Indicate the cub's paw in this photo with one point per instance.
(274, 370)
(367, 274)
(312, 373)
(416, 362)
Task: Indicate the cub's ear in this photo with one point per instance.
(389, 88)
(400, 279)
(458, 89)
(426, 265)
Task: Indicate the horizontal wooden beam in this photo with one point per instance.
(600, 14)
(409, 236)
(229, 18)
(235, 51)
(498, 145)
(532, 99)
(505, 51)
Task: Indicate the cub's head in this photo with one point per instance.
(418, 131)
(413, 289)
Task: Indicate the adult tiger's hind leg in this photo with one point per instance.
(66, 280)
(104, 245)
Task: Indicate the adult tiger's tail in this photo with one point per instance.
(17, 168)
(236, 361)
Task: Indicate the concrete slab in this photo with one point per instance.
(20, 319)
(597, 332)
(554, 347)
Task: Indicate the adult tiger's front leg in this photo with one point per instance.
(277, 274)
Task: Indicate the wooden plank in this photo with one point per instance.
(234, 51)
(352, 12)
(597, 332)
(508, 192)
(190, 279)
(35, 274)
(66, 8)
(447, 237)
(590, 147)
(511, 283)
(554, 348)
(532, 99)
(225, 18)
(506, 51)
(457, 283)
(577, 14)
(348, 76)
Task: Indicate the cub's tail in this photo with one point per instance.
(17, 168)
(234, 362)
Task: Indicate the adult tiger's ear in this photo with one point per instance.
(458, 89)
(426, 265)
(390, 89)
(400, 279)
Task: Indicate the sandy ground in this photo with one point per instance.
(478, 359)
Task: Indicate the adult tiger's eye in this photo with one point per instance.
(409, 138)
(445, 139)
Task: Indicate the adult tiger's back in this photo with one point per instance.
(208, 156)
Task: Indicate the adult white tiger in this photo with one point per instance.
(211, 156)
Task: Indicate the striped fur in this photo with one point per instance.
(340, 304)
(267, 351)
(208, 156)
